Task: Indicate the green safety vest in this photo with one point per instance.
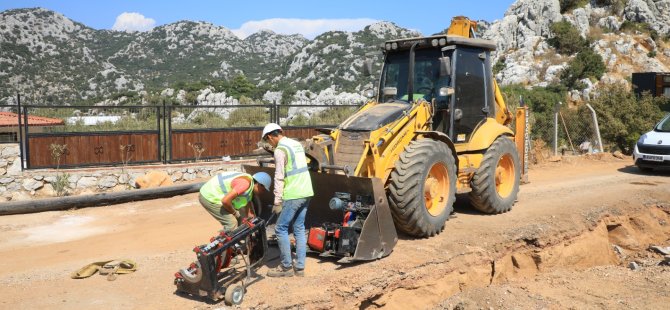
(297, 182)
(216, 188)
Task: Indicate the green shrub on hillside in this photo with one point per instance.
(240, 86)
(500, 65)
(287, 95)
(566, 38)
(587, 64)
(248, 117)
(616, 6)
(541, 101)
(329, 117)
(567, 5)
(632, 27)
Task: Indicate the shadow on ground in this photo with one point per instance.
(632, 169)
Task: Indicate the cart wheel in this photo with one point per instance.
(234, 294)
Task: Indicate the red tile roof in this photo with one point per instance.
(9, 119)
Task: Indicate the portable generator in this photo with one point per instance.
(341, 239)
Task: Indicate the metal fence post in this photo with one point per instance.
(164, 132)
(158, 132)
(276, 116)
(20, 137)
(556, 110)
(595, 123)
(168, 141)
(26, 133)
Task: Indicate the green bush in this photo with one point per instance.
(566, 38)
(541, 101)
(240, 86)
(632, 27)
(616, 6)
(330, 117)
(500, 65)
(191, 97)
(287, 95)
(587, 64)
(61, 184)
(623, 118)
(567, 5)
(248, 117)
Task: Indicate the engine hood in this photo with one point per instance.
(375, 117)
(655, 138)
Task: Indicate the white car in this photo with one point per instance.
(652, 150)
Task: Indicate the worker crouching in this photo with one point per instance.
(228, 195)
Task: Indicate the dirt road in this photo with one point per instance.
(555, 249)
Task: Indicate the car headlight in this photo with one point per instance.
(642, 138)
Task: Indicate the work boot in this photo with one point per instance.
(281, 271)
(300, 272)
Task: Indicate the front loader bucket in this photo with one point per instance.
(378, 235)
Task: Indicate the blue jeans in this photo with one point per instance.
(293, 211)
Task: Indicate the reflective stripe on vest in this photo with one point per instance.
(297, 181)
(214, 191)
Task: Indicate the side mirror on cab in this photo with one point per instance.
(445, 66)
(368, 93)
(367, 67)
(389, 93)
(446, 91)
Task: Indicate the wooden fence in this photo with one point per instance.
(94, 149)
(224, 142)
(152, 138)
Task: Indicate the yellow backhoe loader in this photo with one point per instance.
(435, 126)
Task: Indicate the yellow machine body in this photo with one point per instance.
(435, 127)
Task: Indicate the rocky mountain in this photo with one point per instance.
(45, 55)
(629, 35)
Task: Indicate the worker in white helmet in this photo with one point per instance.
(292, 191)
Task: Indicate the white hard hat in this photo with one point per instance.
(270, 128)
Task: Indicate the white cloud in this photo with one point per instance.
(309, 28)
(133, 22)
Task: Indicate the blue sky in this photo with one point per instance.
(283, 16)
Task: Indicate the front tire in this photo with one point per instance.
(422, 188)
(495, 185)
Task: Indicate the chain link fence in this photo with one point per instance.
(569, 130)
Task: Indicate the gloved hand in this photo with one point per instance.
(276, 209)
(237, 214)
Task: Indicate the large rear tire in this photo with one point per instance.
(495, 185)
(422, 188)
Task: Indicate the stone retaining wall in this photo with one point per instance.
(30, 184)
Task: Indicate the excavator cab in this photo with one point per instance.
(468, 90)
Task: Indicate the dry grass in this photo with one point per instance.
(596, 33)
(540, 152)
